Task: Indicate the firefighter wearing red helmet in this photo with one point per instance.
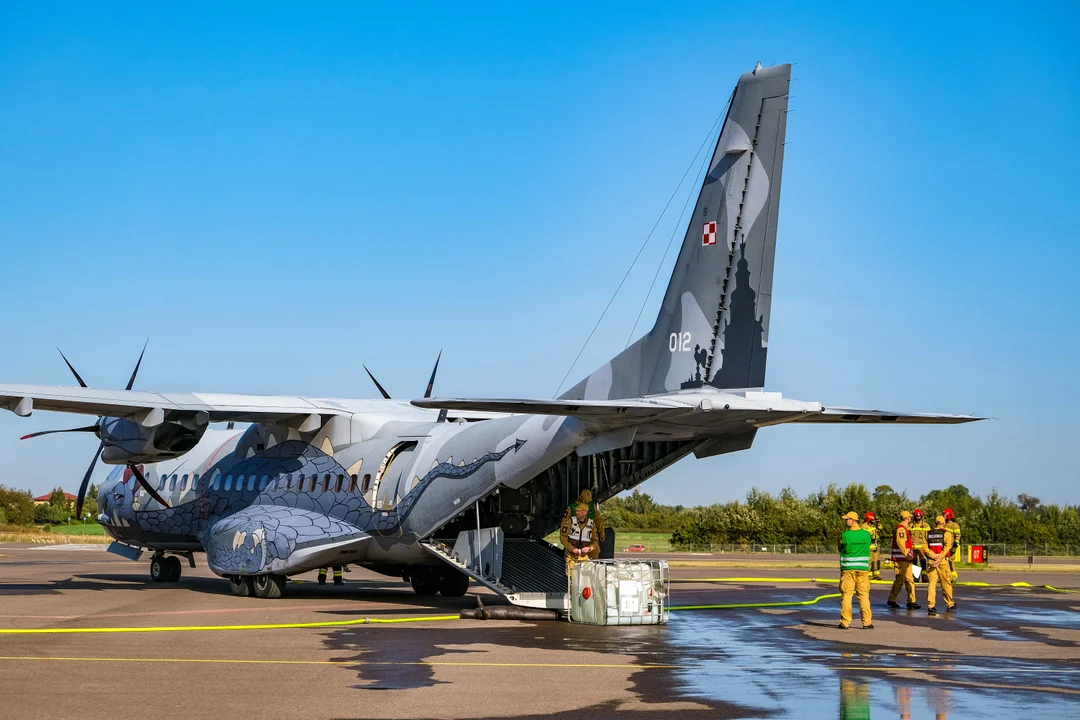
(952, 526)
(919, 529)
(869, 524)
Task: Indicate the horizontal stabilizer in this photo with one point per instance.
(854, 415)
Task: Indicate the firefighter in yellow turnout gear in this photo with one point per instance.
(939, 546)
(903, 554)
(579, 538)
(952, 526)
(919, 529)
(870, 526)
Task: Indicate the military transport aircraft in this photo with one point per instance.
(423, 489)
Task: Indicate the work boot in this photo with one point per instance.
(931, 611)
(841, 627)
(894, 605)
(322, 581)
(950, 608)
(339, 581)
(868, 627)
(913, 606)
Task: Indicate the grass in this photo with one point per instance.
(91, 529)
(56, 535)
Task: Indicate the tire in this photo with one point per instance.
(268, 587)
(173, 564)
(159, 568)
(453, 583)
(240, 585)
(424, 582)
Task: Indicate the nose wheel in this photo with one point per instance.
(165, 568)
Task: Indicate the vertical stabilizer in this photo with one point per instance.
(713, 327)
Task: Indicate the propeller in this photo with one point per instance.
(96, 428)
(430, 384)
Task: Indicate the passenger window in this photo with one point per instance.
(264, 482)
(340, 480)
(352, 483)
(326, 482)
(217, 482)
(183, 482)
(228, 483)
(161, 485)
(288, 481)
(172, 483)
(366, 485)
(251, 482)
(314, 479)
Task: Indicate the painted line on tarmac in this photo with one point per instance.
(202, 628)
(965, 583)
(260, 661)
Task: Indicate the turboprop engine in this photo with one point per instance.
(162, 436)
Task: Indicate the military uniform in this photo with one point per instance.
(918, 538)
(954, 557)
(939, 547)
(576, 534)
(903, 554)
(875, 562)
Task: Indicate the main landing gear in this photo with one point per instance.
(431, 580)
(164, 568)
(267, 587)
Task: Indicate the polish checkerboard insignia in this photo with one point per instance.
(708, 234)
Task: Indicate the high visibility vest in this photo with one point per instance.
(898, 553)
(581, 534)
(935, 540)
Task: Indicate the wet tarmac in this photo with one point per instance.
(1005, 651)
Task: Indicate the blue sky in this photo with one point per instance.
(275, 195)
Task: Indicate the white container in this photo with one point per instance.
(619, 592)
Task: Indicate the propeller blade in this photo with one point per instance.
(90, 428)
(431, 382)
(86, 481)
(141, 479)
(136, 370)
(82, 383)
(381, 388)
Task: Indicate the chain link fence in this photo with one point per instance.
(992, 549)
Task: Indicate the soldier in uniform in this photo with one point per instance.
(952, 526)
(919, 528)
(870, 526)
(939, 545)
(579, 538)
(594, 513)
(903, 554)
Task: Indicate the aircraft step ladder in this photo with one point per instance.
(529, 573)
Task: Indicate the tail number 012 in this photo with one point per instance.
(679, 342)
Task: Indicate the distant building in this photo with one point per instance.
(44, 499)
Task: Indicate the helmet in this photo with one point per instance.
(917, 514)
(948, 514)
(870, 517)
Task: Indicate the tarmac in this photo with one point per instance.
(115, 643)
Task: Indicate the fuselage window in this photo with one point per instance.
(326, 482)
(195, 482)
(239, 482)
(263, 482)
(314, 479)
(251, 482)
(183, 482)
(340, 480)
(288, 481)
(217, 482)
(228, 482)
(366, 485)
(172, 483)
(161, 485)
(352, 483)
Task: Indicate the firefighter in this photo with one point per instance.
(939, 545)
(903, 554)
(338, 580)
(855, 572)
(594, 513)
(952, 526)
(579, 538)
(919, 528)
(870, 526)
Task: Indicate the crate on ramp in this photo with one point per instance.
(619, 592)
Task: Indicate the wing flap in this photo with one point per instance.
(843, 415)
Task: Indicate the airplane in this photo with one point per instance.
(291, 484)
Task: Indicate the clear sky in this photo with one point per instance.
(275, 195)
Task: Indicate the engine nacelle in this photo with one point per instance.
(128, 441)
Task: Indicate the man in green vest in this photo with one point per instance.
(855, 572)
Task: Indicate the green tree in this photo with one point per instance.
(18, 506)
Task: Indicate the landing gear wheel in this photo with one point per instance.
(240, 585)
(159, 568)
(424, 582)
(269, 587)
(453, 583)
(173, 564)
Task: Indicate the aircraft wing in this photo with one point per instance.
(630, 410)
(841, 415)
(23, 399)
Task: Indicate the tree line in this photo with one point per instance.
(17, 507)
(786, 519)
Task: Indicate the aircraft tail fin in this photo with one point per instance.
(713, 326)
